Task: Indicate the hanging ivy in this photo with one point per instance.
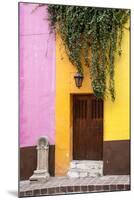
(94, 34)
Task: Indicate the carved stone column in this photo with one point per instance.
(41, 173)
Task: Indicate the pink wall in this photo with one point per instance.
(37, 76)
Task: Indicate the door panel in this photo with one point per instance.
(87, 127)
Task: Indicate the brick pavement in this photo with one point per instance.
(65, 185)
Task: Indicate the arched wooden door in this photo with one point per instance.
(87, 127)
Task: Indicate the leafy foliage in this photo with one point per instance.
(92, 34)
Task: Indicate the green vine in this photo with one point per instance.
(94, 34)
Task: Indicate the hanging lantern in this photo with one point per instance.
(78, 79)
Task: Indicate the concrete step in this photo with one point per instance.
(85, 168)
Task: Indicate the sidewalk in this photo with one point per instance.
(65, 185)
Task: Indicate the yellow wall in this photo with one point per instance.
(116, 115)
(65, 86)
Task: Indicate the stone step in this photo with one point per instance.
(86, 164)
(85, 168)
(81, 174)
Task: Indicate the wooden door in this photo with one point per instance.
(87, 127)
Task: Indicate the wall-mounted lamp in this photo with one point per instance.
(78, 79)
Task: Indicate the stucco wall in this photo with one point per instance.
(116, 115)
(65, 86)
(37, 76)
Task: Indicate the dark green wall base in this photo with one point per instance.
(116, 157)
(28, 161)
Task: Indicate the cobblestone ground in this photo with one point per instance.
(65, 185)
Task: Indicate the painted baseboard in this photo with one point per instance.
(116, 157)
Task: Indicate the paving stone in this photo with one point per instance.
(57, 190)
(98, 187)
(63, 189)
(113, 188)
(51, 191)
(21, 194)
(70, 189)
(65, 185)
(29, 193)
(84, 188)
(77, 188)
(127, 187)
(120, 187)
(36, 192)
(106, 187)
(90, 188)
(44, 191)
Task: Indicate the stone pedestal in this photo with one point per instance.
(41, 173)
